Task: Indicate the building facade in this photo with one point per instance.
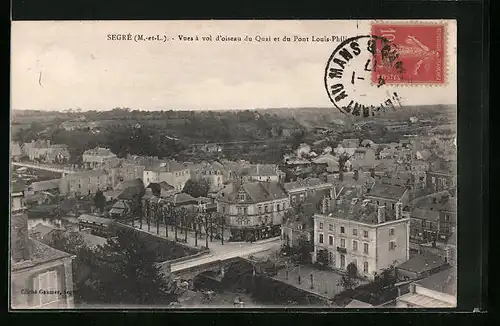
(41, 276)
(299, 190)
(84, 183)
(170, 171)
(99, 158)
(360, 232)
(253, 210)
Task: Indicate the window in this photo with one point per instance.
(260, 209)
(294, 200)
(354, 245)
(365, 267)
(266, 209)
(392, 245)
(241, 196)
(393, 206)
(342, 243)
(240, 210)
(330, 227)
(47, 281)
(433, 180)
(354, 231)
(320, 238)
(342, 229)
(245, 210)
(223, 210)
(330, 240)
(342, 261)
(321, 225)
(365, 248)
(278, 207)
(391, 231)
(365, 234)
(301, 197)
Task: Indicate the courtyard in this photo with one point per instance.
(324, 282)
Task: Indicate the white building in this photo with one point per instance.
(172, 172)
(99, 157)
(358, 231)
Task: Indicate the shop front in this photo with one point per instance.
(255, 233)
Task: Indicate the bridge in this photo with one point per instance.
(63, 171)
(217, 262)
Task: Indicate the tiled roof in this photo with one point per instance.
(443, 202)
(422, 263)
(166, 166)
(262, 170)
(183, 198)
(41, 229)
(40, 253)
(386, 191)
(256, 191)
(46, 185)
(360, 210)
(425, 214)
(166, 186)
(85, 174)
(444, 281)
(304, 183)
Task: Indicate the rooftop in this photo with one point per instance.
(256, 192)
(422, 263)
(39, 254)
(85, 174)
(386, 191)
(358, 209)
(358, 304)
(165, 166)
(304, 183)
(444, 281)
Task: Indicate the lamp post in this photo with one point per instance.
(222, 217)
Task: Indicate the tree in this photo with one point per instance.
(349, 279)
(74, 243)
(197, 188)
(322, 257)
(342, 161)
(129, 274)
(100, 201)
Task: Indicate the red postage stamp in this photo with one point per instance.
(409, 54)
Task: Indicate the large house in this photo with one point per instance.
(433, 218)
(253, 210)
(389, 195)
(359, 231)
(299, 190)
(41, 276)
(124, 171)
(262, 172)
(170, 171)
(84, 183)
(213, 173)
(441, 176)
(99, 158)
(44, 151)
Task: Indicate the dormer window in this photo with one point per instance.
(241, 197)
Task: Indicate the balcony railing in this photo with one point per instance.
(342, 250)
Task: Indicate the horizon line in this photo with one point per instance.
(75, 110)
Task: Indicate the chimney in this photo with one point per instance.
(412, 288)
(18, 228)
(381, 214)
(399, 210)
(326, 205)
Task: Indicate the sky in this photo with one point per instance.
(61, 65)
